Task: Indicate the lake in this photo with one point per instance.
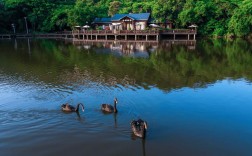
(195, 97)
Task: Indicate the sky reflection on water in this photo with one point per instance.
(190, 109)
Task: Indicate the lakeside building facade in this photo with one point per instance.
(130, 26)
(129, 21)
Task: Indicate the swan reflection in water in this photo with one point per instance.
(139, 128)
(143, 141)
(108, 109)
(115, 119)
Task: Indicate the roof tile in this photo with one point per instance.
(140, 16)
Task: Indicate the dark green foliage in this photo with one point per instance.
(214, 17)
(241, 22)
(114, 7)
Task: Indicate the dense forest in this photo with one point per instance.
(214, 17)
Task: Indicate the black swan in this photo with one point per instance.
(139, 127)
(109, 108)
(69, 108)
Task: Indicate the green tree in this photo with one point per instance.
(83, 11)
(164, 10)
(214, 18)
(114, 7)
(241, 22)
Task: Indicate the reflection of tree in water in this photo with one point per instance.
(169, 65)
(85, 78)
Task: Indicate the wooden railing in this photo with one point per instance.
(129, 32)
(65, 34)
(115, 32)
(178, 31)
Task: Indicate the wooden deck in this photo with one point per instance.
(47, 35)
(190, 44)
(147, 35)
(5, 36)
(137, 34)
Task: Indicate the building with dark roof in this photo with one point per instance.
(102, 20)
(139, 16)
(129, 21)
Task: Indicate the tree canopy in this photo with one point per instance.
(214, 17)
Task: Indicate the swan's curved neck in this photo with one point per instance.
(78, 106)
(115, 109)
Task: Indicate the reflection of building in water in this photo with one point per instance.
(166, 45)
(86, 46)
(134, 49)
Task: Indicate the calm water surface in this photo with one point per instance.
(196, 98)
